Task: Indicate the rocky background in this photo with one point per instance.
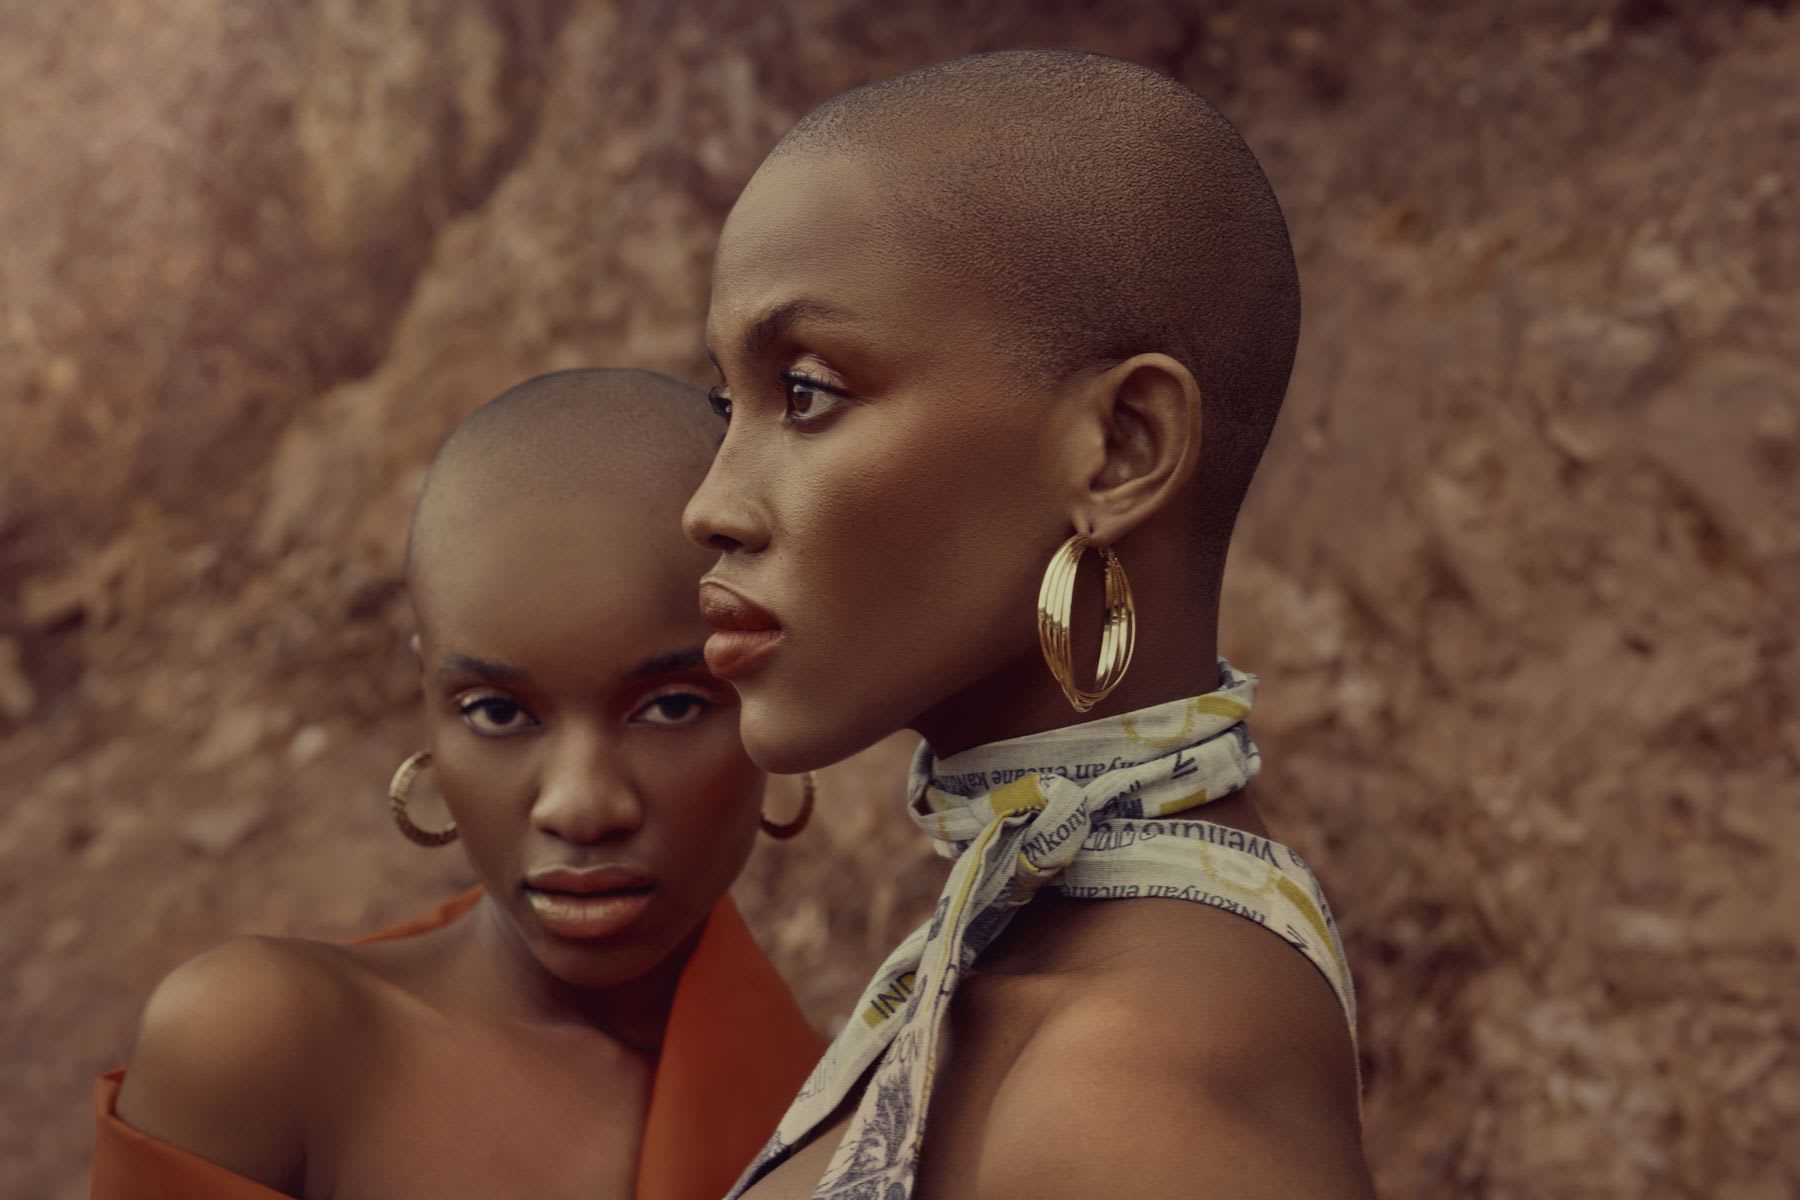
(1520, 573)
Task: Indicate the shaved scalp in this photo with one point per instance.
(635, 435)
(1105, 211)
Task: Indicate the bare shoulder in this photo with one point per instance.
(230, 1048)
(1205, 1057)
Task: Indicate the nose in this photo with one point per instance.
(583, 797)
(720, 515)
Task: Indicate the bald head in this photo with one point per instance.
(1103, 210)
(635, 436)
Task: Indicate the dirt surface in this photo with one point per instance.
(1519, 574)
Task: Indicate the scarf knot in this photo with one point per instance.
(1053, 818)
(1081, 811)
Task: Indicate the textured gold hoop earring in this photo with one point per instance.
(809, 792)
(399, 787)
(1118, 636)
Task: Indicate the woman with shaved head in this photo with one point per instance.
(976, 325)
(594, 1020)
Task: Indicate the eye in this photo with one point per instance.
(808, 399)
(495, 716)
(673, 710)
(721, 403)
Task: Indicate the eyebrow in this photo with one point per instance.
(768, 328)
(461, 664)
(669, 662)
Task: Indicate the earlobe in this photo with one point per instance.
(1150, 409)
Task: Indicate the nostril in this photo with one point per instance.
(723, 528)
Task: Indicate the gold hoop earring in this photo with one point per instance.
(399, 787)
(809, 792)
(1118, 637)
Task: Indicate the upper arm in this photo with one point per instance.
(1224, 1085)
(219, 1065)
(1160, 1137)
(1150, 1130)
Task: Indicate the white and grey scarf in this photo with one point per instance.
(1078, 811)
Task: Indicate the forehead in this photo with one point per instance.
(558, 580)
(821, 229)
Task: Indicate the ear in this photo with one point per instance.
(1145, 413)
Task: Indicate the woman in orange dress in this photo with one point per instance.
(594, 1020)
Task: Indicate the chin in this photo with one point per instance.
(786, 738)
(601, 966)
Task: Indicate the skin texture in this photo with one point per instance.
(572, 724)
(525, 729)
(893, 479)
(901, 522)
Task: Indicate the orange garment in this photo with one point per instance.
(735, 1051)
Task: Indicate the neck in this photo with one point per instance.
(498, 973)
(1176, 657)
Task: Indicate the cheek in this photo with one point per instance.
(702, 793)
(896, 530)
(487, 789)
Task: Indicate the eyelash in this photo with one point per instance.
(792, 380)
(469, 707)
(705, 704)
(799, 380)
(476, 704)
(721, 403)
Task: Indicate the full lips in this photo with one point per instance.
(590, 917)
(735, 652)
(745, 633)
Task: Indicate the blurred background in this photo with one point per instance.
(1520, 572)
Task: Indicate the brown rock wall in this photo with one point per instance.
(1519, 572)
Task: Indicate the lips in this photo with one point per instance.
(586, 903)
(729, 612)
(589, 881)
(745, 634)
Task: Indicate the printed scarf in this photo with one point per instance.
(1081, 812)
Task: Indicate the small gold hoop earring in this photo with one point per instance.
(809, 792)
(399, 787)
(1118, 637)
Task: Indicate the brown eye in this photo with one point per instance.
(495, 716)
(672, 710)
(721, 403)
(807, 398)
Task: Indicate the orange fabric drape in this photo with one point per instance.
(736, 1050)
